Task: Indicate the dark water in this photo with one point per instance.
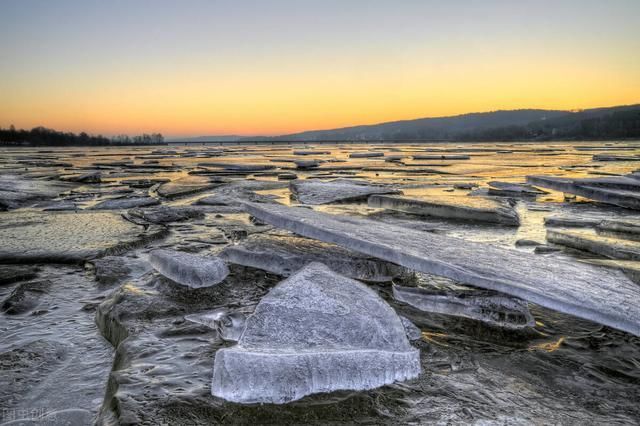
(58, 357)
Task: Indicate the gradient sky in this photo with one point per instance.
(273, 67)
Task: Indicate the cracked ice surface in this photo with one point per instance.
(317, 331)
(597, 294)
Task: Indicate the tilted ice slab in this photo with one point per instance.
(520, 188)
(451, 207)
(189, 269)
(125, 203)
(498, 311)
(604, 246)
(593, 188)
(317, 331)
(317, 192)
(284, 255)
(627, 226)
(597, 294)
(184, 186)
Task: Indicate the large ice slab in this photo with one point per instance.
(35, 237)
(605, 190)
(318, 192)
(189, 269)
(451, 207)
(317, 331)
(284, 255)
(497, 311)
(597, 294)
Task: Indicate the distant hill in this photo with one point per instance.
(441, 128)
(523, 124)
(221, 138)
(513, 125)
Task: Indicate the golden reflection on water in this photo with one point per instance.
(428, 336)
(548, 346)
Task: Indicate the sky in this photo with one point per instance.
(270, 67)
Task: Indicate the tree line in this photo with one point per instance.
(50, 137)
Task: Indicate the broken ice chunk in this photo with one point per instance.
(189, 269)
(229, 325)
(284, 255)
(498, 311)
(317, 331)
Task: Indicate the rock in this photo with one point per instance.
(604, 246)
(588, 188)
(366, 154)
(188, 269)
(25, 297)
(166, 214)
(453, 207)
(125, 203)
(185, 186)
(497, 311)
(596, 294)
(284, 256)
(315, 332)
(339, 190)
(62, 237)
(16, 191)
(229, 325)
(440, 157)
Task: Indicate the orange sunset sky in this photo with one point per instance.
(276, 67)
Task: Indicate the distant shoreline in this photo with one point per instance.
(310, 142)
